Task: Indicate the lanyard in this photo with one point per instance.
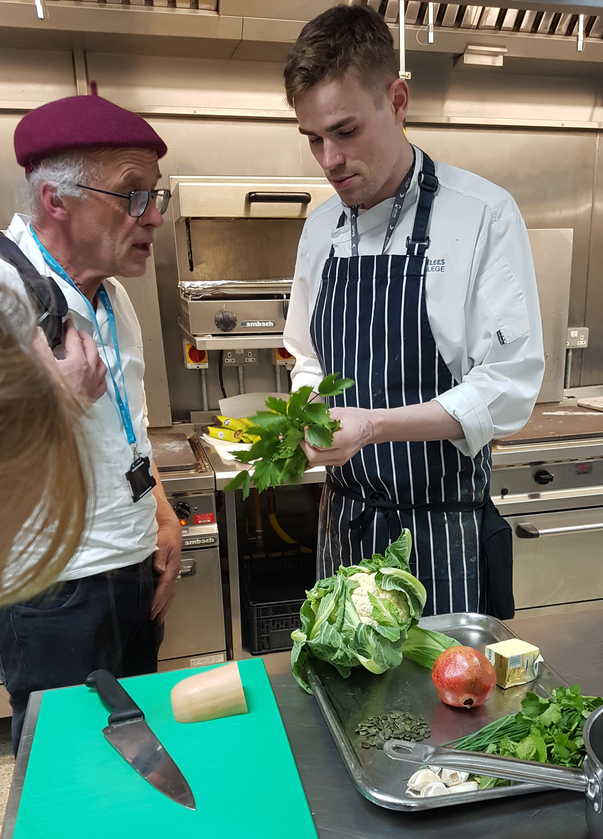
(121, 400)
(393, 218)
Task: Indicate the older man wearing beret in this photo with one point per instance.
(92, 173)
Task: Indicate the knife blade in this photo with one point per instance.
(130, 735)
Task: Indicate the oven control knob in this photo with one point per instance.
(182, 510)
(543, 476)
(226, 321)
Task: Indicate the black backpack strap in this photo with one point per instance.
(44, 293)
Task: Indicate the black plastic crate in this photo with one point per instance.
(268, 626)
(273, 589)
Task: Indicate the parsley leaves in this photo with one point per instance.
(547, 730)
(277, 456)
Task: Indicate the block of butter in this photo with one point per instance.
(515, 662)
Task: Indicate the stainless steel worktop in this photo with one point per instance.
(516, 455)
(225, 472)
(570, 638)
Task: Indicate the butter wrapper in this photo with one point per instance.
(515, 662)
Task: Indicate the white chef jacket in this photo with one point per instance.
(481, 296)
(118, 532)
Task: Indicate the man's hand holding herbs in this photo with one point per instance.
(284, 430)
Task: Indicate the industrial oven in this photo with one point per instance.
(547, 479)
(194, 632)
(236, 242)
(548, 483)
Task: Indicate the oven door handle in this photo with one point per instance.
(279, 197)
(527, 530)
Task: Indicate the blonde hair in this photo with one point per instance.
(42, 485)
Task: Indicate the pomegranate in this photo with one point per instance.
(463, 677)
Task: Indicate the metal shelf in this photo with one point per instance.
(236, 342)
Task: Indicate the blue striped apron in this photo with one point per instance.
(370, 324)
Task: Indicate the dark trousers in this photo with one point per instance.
(57, 638)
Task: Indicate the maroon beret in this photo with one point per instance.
(81, 122)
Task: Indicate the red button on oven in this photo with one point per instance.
(584, 468)
(204, 518)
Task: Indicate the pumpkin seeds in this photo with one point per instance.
(403, 725)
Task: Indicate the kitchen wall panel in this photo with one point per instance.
(12, 191)
(531, 131)
(549, 172)
(592, 360)
(28, 78)
(150, 84)
(514, 94)
(31, 77)
(550, 175)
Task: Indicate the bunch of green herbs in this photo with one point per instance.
(277, 456)
(547, 730)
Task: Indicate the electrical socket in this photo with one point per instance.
(577, 337)
(233, 358)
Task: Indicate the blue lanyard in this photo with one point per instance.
(122, 401)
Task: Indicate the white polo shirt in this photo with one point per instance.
(118, 532)
(481, 295)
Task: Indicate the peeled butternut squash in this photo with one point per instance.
(209, 695)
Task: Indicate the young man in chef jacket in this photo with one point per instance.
(92, 171)
(416, 281)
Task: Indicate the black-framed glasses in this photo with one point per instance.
(138, 199)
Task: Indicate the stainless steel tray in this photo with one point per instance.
(346, 702)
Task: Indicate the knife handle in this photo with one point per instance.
(118, 701)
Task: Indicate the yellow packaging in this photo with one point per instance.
(236, 424)
(231, 435)
(225, 434)
(515, 662)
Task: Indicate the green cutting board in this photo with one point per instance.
(240, 769)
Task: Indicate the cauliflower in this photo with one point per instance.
(365, 615)
(360, 598)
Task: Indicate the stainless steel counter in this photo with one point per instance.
(516, 455)
(519, 454)
(570, 638)
(225, 472)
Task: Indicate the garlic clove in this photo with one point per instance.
(468, 786)
(436, 788)
(452, 777)
(421, 778)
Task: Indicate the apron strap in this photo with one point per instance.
(419, 241)
(378, 502)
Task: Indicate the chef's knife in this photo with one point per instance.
(131, 736)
